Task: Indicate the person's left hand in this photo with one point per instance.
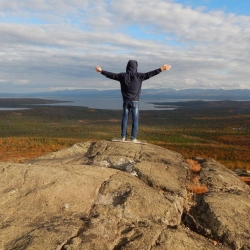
(98, 68)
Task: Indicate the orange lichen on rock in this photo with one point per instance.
(194, 166)
(195, 186)
(245, 179)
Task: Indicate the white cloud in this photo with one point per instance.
(56, 6)
(22, 82)
(206, 49)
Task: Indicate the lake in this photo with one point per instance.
(108, 103)
(104, 103)
(12, 109)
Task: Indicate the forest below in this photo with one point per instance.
(213, 129)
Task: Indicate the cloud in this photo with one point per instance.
(22, 82)
(55, 6)
(57, 44)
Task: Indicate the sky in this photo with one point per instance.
(48, 45)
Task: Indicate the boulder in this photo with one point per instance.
(223, 212)
(114, 195)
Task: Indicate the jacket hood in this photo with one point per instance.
(132, 66)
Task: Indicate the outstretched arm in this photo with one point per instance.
(165, 67)
(110, 75)
(146, 76)
(98, 68)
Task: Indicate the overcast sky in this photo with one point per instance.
(50, 45)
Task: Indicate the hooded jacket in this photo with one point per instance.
(131, 80)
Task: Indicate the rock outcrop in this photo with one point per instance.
(114, 195)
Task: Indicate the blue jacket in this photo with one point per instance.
(131, 80)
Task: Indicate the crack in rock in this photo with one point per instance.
(25, 176)
(74, 241)
(112, 198)
(77, 239)
(134, 235)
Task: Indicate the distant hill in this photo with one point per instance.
(198, 94)
(166, 93)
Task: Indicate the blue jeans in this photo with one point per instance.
(132, 106)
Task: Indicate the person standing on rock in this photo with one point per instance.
(131, 82)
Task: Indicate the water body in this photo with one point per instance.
(12, 109)
(108, 103)
(104, 103)
(97, 103)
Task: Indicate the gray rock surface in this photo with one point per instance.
(114, 195)
(223, 210)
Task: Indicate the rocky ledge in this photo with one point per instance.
(114, 195)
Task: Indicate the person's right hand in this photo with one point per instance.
(165, 67)
(98, 68)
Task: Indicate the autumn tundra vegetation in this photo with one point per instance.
(218, 130)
